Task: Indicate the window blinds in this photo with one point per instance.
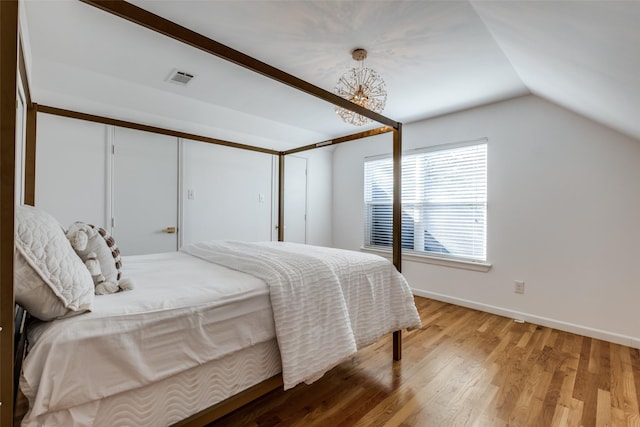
(444, 201)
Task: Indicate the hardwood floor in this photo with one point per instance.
(465, 368)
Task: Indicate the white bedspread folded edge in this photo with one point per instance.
(326, 302)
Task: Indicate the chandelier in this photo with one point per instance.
(362, 86)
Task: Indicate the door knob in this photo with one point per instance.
(169, 230)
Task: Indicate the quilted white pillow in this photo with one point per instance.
(50, 279)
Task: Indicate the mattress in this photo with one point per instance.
(183, 313)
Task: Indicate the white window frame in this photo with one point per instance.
(444, 259)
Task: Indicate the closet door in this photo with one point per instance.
(144, 192)
(72, 170)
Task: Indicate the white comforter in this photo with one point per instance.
(326, 303)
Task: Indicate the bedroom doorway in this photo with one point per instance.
(295, 200)
(144, 192)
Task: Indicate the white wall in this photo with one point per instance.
(226, 184)
(563, 211)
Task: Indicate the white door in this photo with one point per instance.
(144, 192)
(295, 199)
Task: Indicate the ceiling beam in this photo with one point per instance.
(161, 25)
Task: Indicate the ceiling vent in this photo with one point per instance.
(180, 77)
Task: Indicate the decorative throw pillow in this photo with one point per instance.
(92, 244)
(50, 279)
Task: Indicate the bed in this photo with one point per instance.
(201, 325)
(158, 397)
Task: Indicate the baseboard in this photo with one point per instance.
(538, 320)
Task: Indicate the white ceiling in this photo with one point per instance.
(435, 56)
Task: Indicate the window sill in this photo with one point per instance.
(430, 259)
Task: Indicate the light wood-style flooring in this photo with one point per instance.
(465, 368)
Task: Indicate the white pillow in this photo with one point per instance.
(51, 281)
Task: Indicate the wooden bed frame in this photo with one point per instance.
(12, 317)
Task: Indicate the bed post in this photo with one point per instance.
(8, 76)
(397, 221)
(30, 133)
(30, 155)
(281, 197)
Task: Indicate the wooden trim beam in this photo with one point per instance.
(131, 125)
(397, 198)
(8, 91)
(23, 73)
(30, 136)
(179, 134)
(281, 159)
(397, 222)
(30, 156)
(359, 135)
(177, 32)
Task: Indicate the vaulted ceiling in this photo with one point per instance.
(435, 56)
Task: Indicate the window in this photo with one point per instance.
(444, 201)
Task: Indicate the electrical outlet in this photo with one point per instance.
(518, 287)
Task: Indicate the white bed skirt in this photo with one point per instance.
(175, 398)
